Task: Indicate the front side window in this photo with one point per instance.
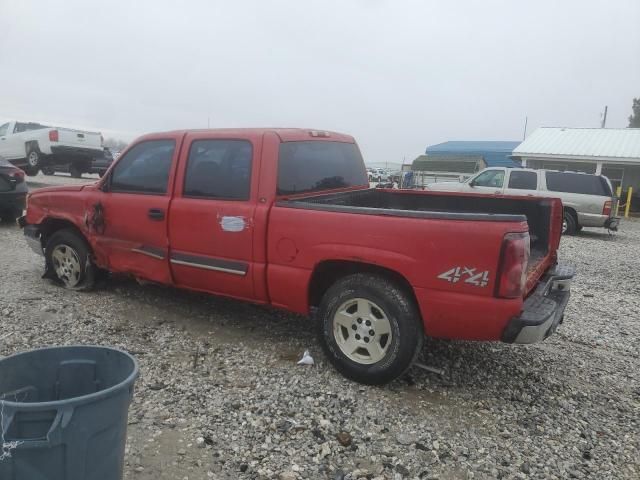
(577, 183)
(145, 168)
(523, 180)
(490, 178)
(219, 169)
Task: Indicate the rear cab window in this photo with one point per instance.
(577, 183)
(316, 165)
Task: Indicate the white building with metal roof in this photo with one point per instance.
(613, 152)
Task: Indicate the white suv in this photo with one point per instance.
(588, 199)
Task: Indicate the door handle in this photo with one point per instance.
(156, 214)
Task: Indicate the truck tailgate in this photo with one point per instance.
(78, 138)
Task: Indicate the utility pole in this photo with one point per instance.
(524, 135)
(604, 117)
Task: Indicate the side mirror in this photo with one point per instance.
(472, 183)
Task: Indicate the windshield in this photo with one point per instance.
(311, 166)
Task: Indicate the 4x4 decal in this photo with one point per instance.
(467, 275)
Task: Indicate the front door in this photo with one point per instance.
(134, 208)
(211, 222)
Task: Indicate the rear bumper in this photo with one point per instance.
(612, 223)
(66, 151)
(543, 311)
(32, 236)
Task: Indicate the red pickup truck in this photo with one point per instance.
(286, 217)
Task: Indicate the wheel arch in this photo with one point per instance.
(327, 272)
(51, 225)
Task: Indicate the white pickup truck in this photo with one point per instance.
(32, 146)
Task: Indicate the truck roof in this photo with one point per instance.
(285, 134)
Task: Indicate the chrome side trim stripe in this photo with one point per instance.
(209, 267)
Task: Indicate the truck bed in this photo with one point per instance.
(443, 205)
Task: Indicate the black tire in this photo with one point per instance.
(48, 170)
(396, 304)
(30, 171)
(570, 224)
(10, 217)
(75, 171)
(70, 239)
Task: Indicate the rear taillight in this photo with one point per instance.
(53, 135)
(513, 265)
(606, 210)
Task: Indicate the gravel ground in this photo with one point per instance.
(220, 395)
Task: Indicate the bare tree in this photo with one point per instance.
(114, 144)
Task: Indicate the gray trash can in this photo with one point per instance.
(66, 407)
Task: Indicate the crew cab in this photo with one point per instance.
(587, 199)
(285, 217)
(33, 146)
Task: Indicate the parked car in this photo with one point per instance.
(286, 217)
(99, 165)
(13, 191)
(588, 199)
(377, 175)
(34, 146)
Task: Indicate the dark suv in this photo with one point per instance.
(13, 191)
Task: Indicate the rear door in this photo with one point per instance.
(211, 222)
(135, 208)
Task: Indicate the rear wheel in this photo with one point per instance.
(370, 328)
(69, 259)
(569, 223)
(10, 216)
(48, 170)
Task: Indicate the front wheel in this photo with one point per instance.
(48, 170)
(370, 328)
(69, 260)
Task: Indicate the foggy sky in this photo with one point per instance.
(398, 75)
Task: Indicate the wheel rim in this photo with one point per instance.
(362, 331)
(66, 264)
(33, 159)
(565, 225)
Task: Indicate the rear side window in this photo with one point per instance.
(145, 168)
(3, 129)
(577, 183)
(523, 180)
(219, 169)
(310, 166)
